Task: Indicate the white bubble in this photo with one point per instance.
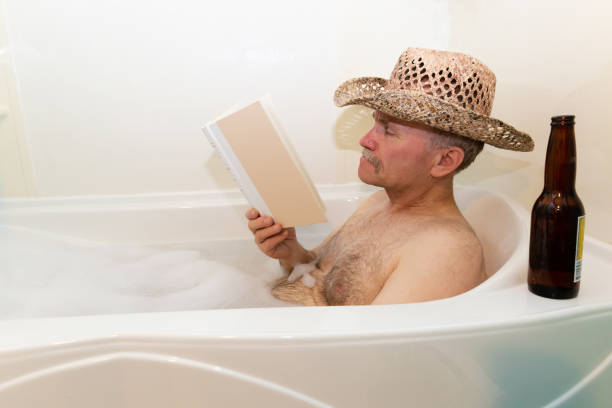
(45, 274)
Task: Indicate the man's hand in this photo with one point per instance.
(271, 238)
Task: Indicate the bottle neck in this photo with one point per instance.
(560, 172)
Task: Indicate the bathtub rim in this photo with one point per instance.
(56, 334)
(178, 199)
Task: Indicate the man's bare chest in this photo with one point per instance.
(356, 262)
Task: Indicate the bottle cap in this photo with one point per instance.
(562, 120)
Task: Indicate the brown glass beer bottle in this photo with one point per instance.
(557, 219)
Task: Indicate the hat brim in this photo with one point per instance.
(410, 105)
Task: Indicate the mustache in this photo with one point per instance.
(371, 158)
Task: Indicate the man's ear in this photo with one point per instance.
(447, 160)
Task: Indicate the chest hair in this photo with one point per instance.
(359, 259)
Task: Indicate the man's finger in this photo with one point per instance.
(271, 243)
(260, 222)
(264, 233)
(251, 213)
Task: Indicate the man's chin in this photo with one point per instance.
(367, 178)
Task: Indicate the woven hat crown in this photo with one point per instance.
(457, 78)
(448, 91)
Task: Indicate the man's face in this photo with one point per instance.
(396, 154)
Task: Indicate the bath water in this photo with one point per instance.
(43, 275)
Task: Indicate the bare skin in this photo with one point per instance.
(406, 243)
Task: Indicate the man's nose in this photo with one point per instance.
(368, 141)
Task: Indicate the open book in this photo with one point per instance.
(254, 148)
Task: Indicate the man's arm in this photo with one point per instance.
(441, 264)
(282, 244)
(277, 242)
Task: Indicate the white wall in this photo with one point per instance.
(113, 93)
(15, 165)
(551, 57)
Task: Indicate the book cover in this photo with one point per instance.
(262, 161)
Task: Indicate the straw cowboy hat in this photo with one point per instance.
(446, 90)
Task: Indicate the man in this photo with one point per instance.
(408, 242)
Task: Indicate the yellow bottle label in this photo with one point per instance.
(579, 246)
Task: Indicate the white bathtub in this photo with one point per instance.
(495, 346)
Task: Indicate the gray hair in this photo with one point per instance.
(470, 147)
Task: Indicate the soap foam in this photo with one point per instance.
(44, 274)
(302, 271)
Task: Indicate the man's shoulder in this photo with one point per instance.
(444, 259)
(450, 240)
(450, 229)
